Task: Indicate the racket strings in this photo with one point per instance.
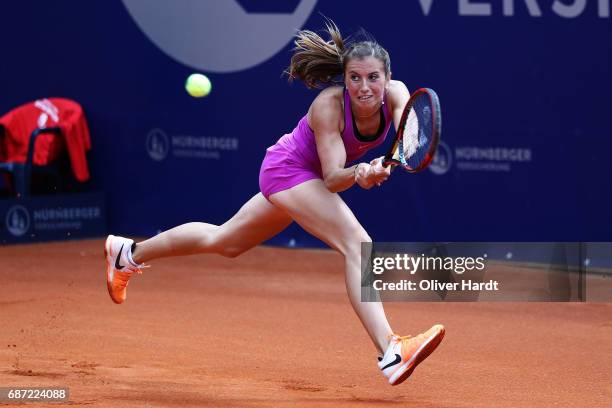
(417, 137)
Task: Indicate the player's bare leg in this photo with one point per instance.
(326, 216)
(255, 222)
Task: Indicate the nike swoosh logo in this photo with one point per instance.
(397, 360)
(119, 266)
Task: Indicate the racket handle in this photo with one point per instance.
(389, 161)
(386, 163)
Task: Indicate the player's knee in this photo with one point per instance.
(352, 244)
(222, 244)
(365, 238)
(208, 239)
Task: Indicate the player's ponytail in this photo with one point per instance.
(317, 62)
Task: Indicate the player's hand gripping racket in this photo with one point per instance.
(418, 133)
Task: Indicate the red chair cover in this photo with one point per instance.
(68, 115)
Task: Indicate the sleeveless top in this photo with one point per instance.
(300, 144)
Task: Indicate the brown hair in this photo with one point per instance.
(319, 63)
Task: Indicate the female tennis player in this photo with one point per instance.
(299, 180)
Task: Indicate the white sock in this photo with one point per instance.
(130, 259)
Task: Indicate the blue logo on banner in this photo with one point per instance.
(53, 217)
(442, 160)
(18, 220)
(158, 144)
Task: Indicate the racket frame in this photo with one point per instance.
(437, 128)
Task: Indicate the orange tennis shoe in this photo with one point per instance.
(119, 268)
(404, 353)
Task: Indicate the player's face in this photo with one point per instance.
(365, 80)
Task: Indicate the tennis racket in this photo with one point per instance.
(418, 133)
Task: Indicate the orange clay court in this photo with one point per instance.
(274, 328)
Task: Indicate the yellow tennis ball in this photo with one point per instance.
(198, 85)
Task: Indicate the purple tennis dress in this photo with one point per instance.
(294, 158)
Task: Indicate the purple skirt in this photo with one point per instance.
(281, 169)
